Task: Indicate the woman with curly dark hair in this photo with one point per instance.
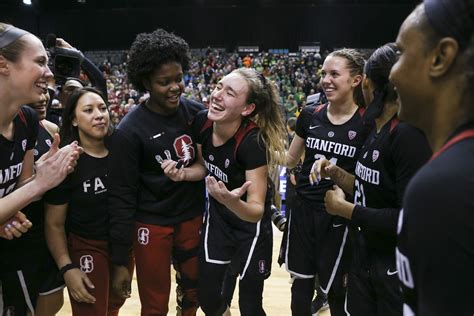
(160, 216)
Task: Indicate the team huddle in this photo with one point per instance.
(382, 222)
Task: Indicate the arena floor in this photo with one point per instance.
(276, 296)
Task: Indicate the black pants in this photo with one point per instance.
(217, 288)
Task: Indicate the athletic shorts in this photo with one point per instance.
(246, 247)
(313, 244)
(22, 287)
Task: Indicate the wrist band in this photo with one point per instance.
(66, 268)
(296, 169)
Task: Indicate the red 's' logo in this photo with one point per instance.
(184, 149)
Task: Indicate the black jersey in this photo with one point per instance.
(228, 162)
(387, 162)
(224, 231)
(13, 152)
(435, 254)
(339, 144)
(139, 189)
(34, 212)
(43, 143)
(85, 191)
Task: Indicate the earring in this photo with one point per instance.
(74, 124)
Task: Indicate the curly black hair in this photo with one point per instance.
(150, 50)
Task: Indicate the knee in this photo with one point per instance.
(303, 286)
(49, 304)
(211, 305)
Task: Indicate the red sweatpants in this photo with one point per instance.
(93, 258)
(153, 248)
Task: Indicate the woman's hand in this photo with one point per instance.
(76, 282)
(60, 42)
(121, 281)
(322, 168)
(53, 167)
(173, 170)
(15, 226)
(336, 204)
(218, 190)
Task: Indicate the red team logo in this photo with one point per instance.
(184, 149)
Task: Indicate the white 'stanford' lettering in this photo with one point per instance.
(215, 170)
(367, 174)
(331, 147)
(10, 173)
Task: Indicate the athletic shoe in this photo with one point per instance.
(319, 304)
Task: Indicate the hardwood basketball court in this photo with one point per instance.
(276, 295)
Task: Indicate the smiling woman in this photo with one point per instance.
(23, 76)
(393, 151)
(165, 86)
(312, 231)
(435, 81)
(159, 216)
(240, 137)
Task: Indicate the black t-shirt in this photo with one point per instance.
(139, 189)
(85, 191)
(339, 144)
(44, 142)
(13, 151)
(228, 162)
(387, 162)
(435, 253)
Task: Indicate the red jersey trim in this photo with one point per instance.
(239, 135)
(464, 135)
(319, 108)
(394, 124)
(22, 117)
